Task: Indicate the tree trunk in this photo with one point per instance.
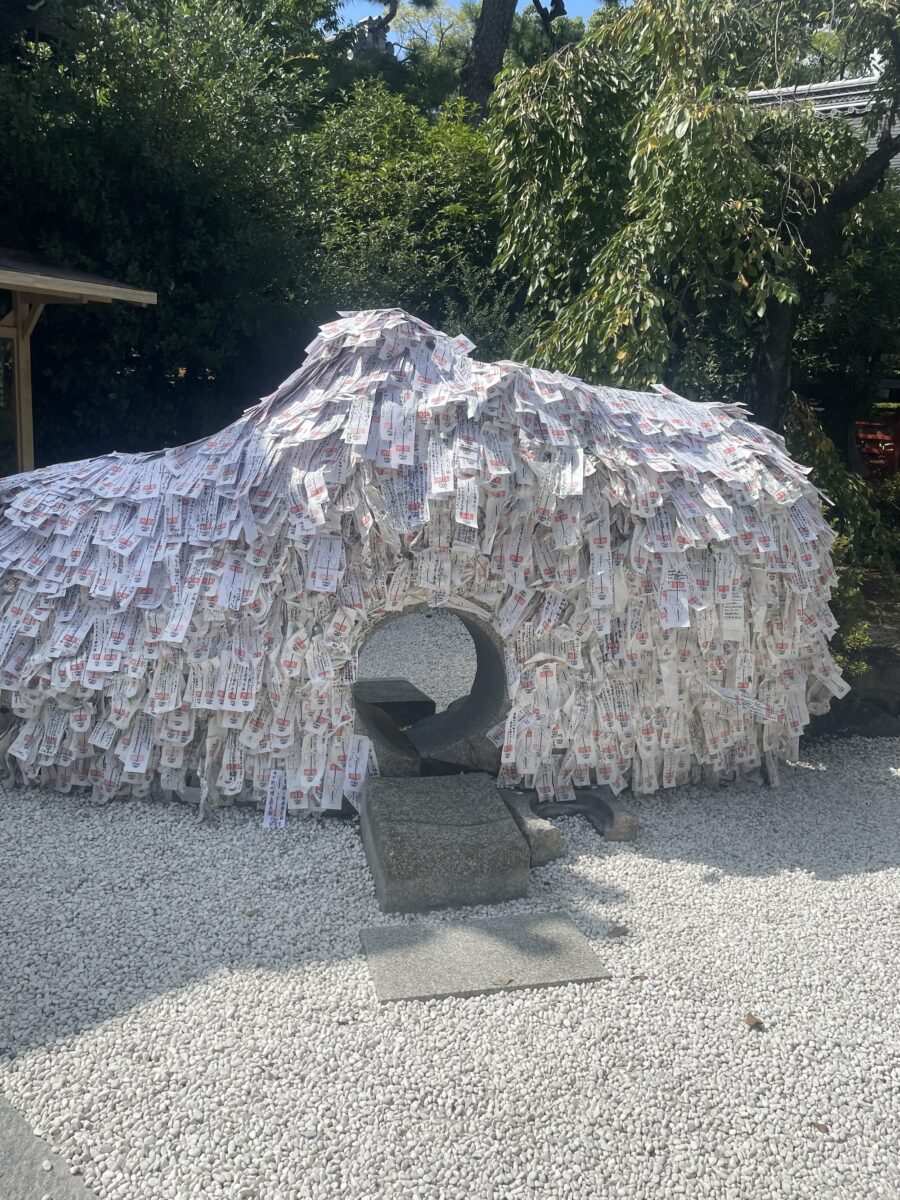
(768, 386)
(488, 47)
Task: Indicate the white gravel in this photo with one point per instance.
(187, 1012)
(432, 650)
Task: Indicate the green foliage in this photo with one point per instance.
(434, 43)
(201, 148)
(849, 605)
(852, 315)
(684, 197)
(160, 146)
(561, 173)
(866, 539)
(827, 54)
(887, 496)
(529, 42)
(403, 214)
(40, 20)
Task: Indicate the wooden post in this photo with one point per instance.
(25, 317)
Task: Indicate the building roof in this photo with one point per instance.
(845, 96)
(850, 98)
(21, 273)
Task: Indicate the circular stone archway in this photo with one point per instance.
(456, 737)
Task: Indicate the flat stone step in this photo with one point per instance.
(424, 961)
(441, 842)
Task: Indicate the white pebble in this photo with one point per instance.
(170, 1046)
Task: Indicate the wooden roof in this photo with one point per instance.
(19, 273)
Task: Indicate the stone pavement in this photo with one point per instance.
(24, 1162)
(425, 961)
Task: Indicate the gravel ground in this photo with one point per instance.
(432, 650)
(186, 1011)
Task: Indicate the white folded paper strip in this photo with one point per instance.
(658, 569)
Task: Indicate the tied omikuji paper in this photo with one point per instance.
(658, 570)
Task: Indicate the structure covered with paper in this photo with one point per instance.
(658, 572)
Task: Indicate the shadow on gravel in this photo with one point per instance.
(812, 822)
(102, 910)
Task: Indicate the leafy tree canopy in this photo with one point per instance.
(645, 199)
(403, 211)
(160, 144)
(434, 41)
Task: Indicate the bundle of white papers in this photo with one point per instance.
(659, 571)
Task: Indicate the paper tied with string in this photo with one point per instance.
(658, 570)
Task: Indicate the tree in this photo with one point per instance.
(39, 20)
(529, 36)
(532, 39)
(646, 201)
(488, 48)
(851, 320)
(403, 214)
(161, 146)
(435, 45)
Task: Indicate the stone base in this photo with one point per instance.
(442, 842)
(400, 699)
(599, 808)
(619, 825)
(545, 842)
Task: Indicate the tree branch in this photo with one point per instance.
(893, 35)
(548, 16)
(384, 20)
(856, 187)
(544, 14)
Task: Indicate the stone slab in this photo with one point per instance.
(22, 1158)
(441, 842)
(401, 700)
(624, 824)
(396, 754)
(619, 823)
(545, 842)
(470, 958)
(853, 716)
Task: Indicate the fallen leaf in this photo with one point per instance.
(754, 1022)
(821, 1126)
(251, 912)
(638, 978)
(619, 931)
(500, 982)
